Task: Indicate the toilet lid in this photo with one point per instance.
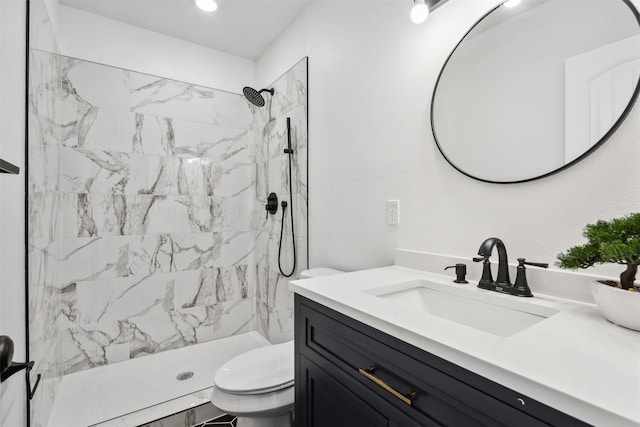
(261, 370)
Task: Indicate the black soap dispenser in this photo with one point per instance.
(461, 272)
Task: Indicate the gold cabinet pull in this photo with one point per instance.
(369, 373)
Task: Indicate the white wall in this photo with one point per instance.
(12, 250)
(371, 76)
(94, 38)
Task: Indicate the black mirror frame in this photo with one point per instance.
(593, 148)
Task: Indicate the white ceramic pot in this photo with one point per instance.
(617, 305)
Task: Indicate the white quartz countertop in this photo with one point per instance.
(575, 361)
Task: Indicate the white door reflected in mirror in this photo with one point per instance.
(598, 87)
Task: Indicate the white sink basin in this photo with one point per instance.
(498, 314)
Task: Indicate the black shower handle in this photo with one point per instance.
(272, 204)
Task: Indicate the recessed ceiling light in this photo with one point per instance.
(207, 5)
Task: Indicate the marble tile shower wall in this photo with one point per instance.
(141, 197)
(44, 325)
(275, 301)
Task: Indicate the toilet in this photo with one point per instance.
(257, 386)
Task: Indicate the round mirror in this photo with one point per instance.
(534, 88)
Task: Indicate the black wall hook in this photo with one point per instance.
(8, 367)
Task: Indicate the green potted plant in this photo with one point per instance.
(615, 241)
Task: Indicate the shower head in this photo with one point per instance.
(254, 96)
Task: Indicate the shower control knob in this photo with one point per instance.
(272, 204)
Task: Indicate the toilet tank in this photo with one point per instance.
(318, 271)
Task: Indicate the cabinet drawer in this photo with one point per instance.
(358, 349)
(329, 403)
(331, 399)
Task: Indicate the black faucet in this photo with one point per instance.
(503, 263)
(503, 284)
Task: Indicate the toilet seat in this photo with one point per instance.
(246, 373)
(252, 405)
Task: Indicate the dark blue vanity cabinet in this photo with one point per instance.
(349, 374)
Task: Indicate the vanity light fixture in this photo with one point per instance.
(419, 12)
(207, 5)
(511, 3)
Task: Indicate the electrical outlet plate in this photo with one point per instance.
(393, 212)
